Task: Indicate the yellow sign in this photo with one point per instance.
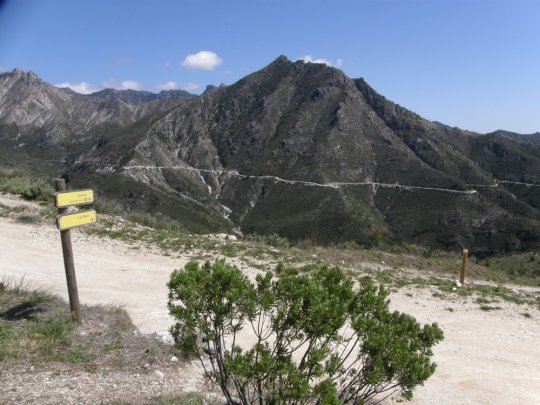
(67, 221)
(77, 197)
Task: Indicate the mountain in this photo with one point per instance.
(45, 129)
(30, 105)
(41, 121)
(135, 97)
(301, 150)
(532, 139)
(210, 89)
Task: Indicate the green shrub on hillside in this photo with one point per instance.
(317, 339)
(30, 188)
(271, 240)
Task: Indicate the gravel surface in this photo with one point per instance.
(486, 357)
(64, 384)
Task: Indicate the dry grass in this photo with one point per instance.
(36, 327)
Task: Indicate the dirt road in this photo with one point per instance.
(486, 357)
(108, 271)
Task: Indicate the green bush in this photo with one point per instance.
(14, 182)
(317, 339)
(271, 240)
(348, 245)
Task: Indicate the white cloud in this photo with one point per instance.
(203, 60)
(167, 86)
(167, 64)
(130, 85)
(191, 86)
(124, 85)
(87, 88)
(310, 59)
(81, 87)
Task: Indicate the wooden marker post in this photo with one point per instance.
(463, 266)
(69, 265)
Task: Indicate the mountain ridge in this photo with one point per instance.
(137, 97)
(254, 154)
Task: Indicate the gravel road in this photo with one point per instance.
(487, 357)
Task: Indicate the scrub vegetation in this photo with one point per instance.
(318, 339)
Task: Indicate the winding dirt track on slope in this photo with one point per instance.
(486, 357)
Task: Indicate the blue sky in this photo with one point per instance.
(474, 64)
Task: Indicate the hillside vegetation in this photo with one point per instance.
(296, 149)
(46, 357)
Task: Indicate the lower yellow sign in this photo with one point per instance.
(67, 221)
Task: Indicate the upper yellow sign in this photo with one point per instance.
(77, 197)
(67, 221)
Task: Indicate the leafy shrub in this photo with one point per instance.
(409, 248)
(349, 245)
(104, 205)
(29, 188)
(154, 221)
(317, 339)
(110, 206)
(271, 240)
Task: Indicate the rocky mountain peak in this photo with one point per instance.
(180, 95)
(298, 149)
(211, 89)
(29, 76)
(303, 76)
(16, 73)
(280, 60)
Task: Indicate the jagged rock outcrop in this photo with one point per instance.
(210, 89)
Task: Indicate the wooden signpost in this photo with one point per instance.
(66, 220)
(463, 266)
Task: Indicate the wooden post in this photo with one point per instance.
(69, 265)
(463, 266)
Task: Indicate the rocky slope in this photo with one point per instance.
(135, 97)
(532, 139)
(297, 149)
(29, 104)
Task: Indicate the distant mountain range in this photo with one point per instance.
(135, 97)
(297, 149)
(531, 139)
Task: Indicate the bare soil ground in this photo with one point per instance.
(487, 356)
